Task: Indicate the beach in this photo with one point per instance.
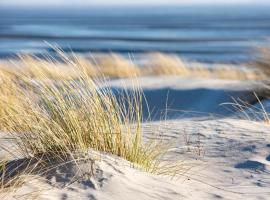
(220, 156)
(134, 102)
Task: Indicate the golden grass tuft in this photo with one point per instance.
(161, 64)
(262, 64)
(56, 116)
(48, 119)
(263, 61)
(114, 65)
(233, 73)
(59, 117)
(35, 67)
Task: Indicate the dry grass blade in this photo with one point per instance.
(250, 111)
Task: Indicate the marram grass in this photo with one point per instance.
(63, 116)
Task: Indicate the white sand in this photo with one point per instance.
(184, 83)
(227, 159)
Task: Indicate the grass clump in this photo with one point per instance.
(114, 65)
(161, 64)
(59, 117)
(262, 61)
(36, 68)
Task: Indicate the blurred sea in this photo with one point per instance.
(203, 33)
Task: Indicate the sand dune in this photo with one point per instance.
(225, 158)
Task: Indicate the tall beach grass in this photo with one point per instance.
(61, 116)
(48, 118)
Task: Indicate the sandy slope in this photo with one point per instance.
(230, 157)
(226, 158)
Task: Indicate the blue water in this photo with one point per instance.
(203, 33)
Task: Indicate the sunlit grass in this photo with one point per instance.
(49, 117)
(262, 61)
(161, 64)
(116, 66)
(60, 117)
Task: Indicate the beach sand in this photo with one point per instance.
(222, 156)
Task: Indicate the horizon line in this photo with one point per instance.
(132, 5)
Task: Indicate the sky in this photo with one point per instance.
(122, 2)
